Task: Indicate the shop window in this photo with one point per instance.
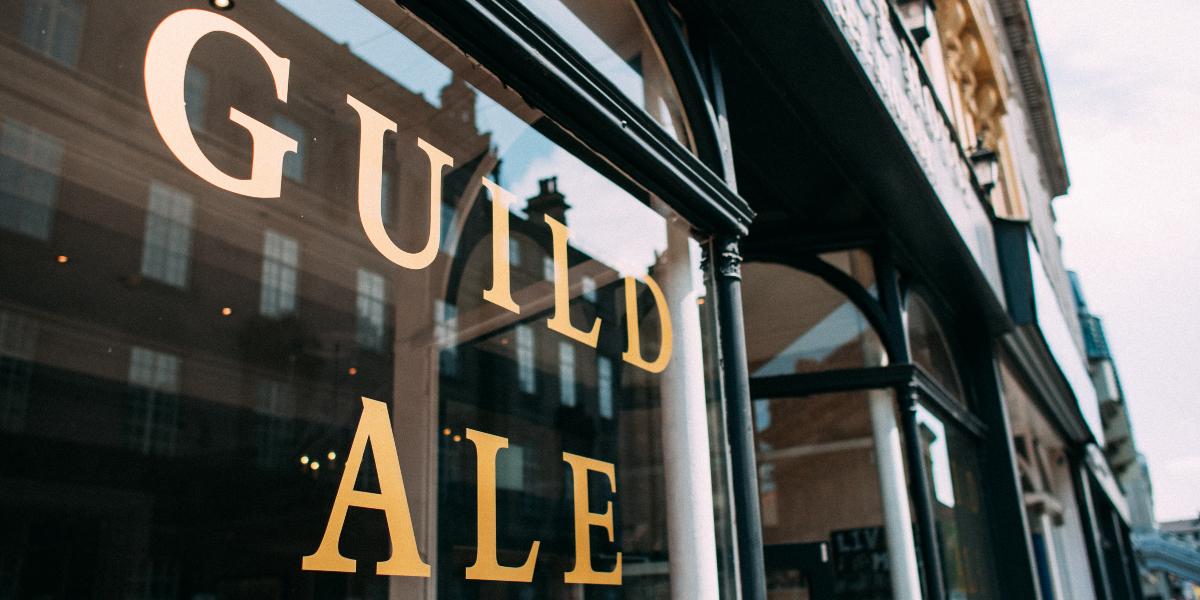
(293, 162)
(18, 340)
(797, 323)
(281, 259)
(153, 420)
(253, 455)
(611, 36)
(371, 304)
(166, 247)
(195, 96)
(526, 367)
(29, 179)
(818, 483)
(952, 466)
(53, 28)
(930, 348)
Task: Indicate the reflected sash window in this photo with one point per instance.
(293, 162)
(153, 421)
(566, 373)
(547, 268)
(281, 258)
(18, 340)
(526, 369)
(52, 27)
(510, 468)
(514, 252)
(195, 96)
(604, 386)
(445, 316)
(386, 195)
(275, 408)
(589, 288)
(29, 178)
(168, 238)
(371, 304)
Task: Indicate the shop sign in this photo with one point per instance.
(167, 56)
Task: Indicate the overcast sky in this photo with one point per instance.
(1126, 84)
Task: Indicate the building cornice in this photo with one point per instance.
(1017, 23)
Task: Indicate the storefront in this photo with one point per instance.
(461, 299)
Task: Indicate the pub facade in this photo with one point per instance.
(540, 299)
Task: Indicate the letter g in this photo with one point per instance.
(167, 55)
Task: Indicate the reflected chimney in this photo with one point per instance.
(548, 201)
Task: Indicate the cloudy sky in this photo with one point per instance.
(1126, 84)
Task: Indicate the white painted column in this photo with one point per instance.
(893, 487)
(690, 526)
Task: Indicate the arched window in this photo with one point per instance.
(930, 348)
(798, 323)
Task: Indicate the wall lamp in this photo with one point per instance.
(986, 164)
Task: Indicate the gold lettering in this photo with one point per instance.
(633, 354)
(375, 428)
(370, 182)
(561, 321)
(500, 293)
(487, 564)
(167, 56)
(585, 520)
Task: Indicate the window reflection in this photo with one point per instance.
(952, 463)
(797, 323)
(818, 483)
(203, 356)
(930, 348)
(30, 161)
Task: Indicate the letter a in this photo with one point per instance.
(374, 427)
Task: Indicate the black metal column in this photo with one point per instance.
(739, 417)
(908, 397)
(1004, 498)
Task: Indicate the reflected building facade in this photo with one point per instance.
(754, 302)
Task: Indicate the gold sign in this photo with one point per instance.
(375, 428)
(167, 57)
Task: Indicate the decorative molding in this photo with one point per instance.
(898, 78)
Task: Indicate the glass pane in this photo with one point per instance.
(818, 482)
(611, 36)
(952, 463)
(930, 348)
(797, 323)
(235, 378)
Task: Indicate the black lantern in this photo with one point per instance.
(986, 165)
